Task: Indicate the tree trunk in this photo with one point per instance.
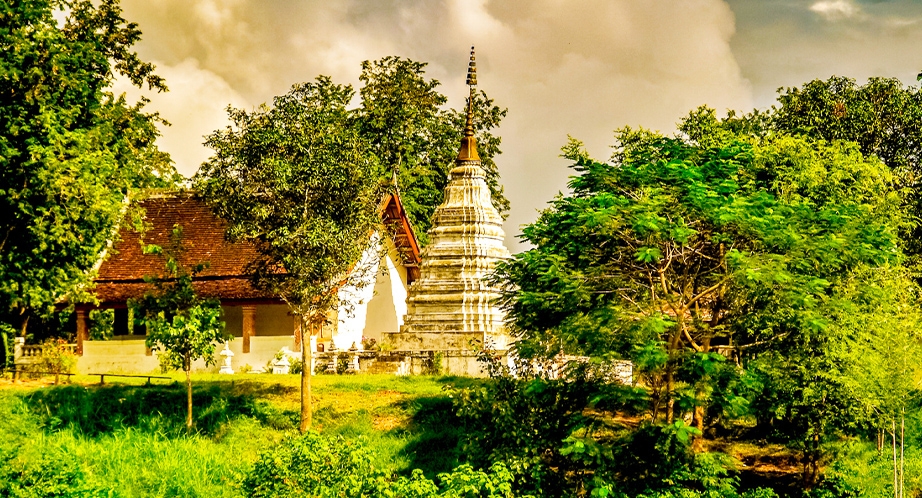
(187, 364)
(895, 480)
(24, 325)
(698, 423)
(700, 410)
(306, 372)
(670, 400)
(4, 350)
(902, 456)
(880, 441)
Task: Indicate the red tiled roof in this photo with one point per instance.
(121, 275)
(203, 240)
(225, 289)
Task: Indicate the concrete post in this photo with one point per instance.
(82, 333)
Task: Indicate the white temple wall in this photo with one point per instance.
(380, 305)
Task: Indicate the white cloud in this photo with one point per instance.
(835, 9)
(583, 68)
(195, 106)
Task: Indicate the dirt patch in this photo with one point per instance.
(388, 422)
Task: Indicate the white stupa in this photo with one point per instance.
(450, 306)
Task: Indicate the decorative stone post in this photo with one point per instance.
(226, 362)
(249, 326)
(281, 366)
(18, 344)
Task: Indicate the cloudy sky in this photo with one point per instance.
(578, 67)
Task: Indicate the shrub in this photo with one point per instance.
(49, 476)
(325, 467)
(57, 358)
(311, 465)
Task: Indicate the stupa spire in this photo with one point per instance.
(451, 303)
(468, 150)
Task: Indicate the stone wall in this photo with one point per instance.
(128, 354)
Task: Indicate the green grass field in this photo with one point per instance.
(129, 438)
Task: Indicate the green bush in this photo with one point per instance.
(311, 465)
(50, 476)
(325, 467)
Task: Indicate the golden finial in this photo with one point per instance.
(468, 150)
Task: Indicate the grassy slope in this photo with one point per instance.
(129, 437)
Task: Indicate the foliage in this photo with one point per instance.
(314, 465)
(689, 246)
(298, 182)
(880, 116)
(559, 436)
(414, 138)
(71, 150)
(722, 238)
(54, 475)
(57, 358)
(101, 324)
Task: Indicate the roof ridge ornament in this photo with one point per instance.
(468, 150)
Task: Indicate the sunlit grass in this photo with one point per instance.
(128, 437)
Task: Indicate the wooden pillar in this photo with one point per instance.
(82, 333)
(249, 326)
(297, 329)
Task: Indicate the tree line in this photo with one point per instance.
(760, 270)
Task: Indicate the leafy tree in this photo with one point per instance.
(881, 351)
(881, 116)
(675, 247)
(299, 182)
(70, 150)
(401, 116)
(182, 326)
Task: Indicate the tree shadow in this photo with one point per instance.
(98, 410)
(434, 435)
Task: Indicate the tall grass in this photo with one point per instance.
(128, 440)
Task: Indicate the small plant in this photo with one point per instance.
(57, 357)
(296, 366)
(369, 343)
(437, 363)
(342, 363)
(384, 347)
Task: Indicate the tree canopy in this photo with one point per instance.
(680, 247)
(70, 150)
(301, 183)
(402, 117)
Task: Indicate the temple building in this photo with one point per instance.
(451, 307)
(418, 305)
(261, 323)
